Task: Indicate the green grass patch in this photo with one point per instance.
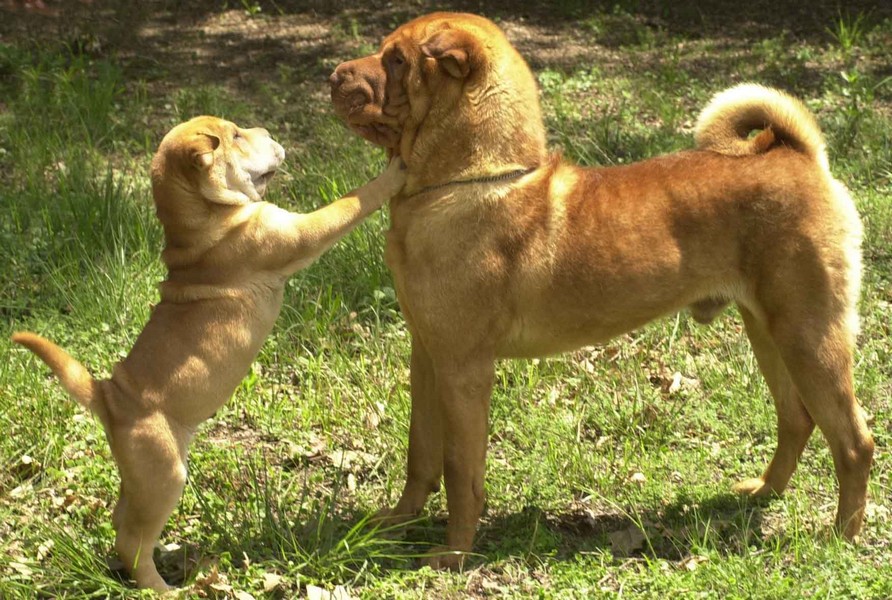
(603, 478)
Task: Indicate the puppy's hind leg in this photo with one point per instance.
(794, 424)
(153, 474)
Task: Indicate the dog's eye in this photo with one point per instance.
(396, 59)
(236, 136)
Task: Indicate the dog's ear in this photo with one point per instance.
(202, 150)
(456, 51)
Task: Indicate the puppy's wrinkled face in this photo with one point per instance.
(226, 163)
(425, 62)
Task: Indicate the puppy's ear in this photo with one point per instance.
(456, 51)
(202, 150)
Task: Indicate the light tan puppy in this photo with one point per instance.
(499, 249)
(228, 256)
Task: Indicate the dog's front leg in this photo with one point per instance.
(463, 391)
(425, 440)
(294, 241)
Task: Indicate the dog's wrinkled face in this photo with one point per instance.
(224, 163)
(378, 95)
(447, 91)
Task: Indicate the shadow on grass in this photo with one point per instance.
(177, 44)
(725, 523)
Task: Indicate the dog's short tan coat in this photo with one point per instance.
(228, 256)
(499, 249)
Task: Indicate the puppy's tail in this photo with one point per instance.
(75, 378)
(726, 122)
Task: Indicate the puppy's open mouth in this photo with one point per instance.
(261, 181)
(265, 177)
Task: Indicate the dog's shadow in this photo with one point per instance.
(728, 523)
(674, 532)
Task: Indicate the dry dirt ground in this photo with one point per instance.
(172, 44)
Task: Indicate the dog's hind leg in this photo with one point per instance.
(794, 425)
(818, 356)
(153, 474)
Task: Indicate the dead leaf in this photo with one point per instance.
(304, 454)
(350, 460)
(318, 593)
(692, 562)
(44, 549)
(876, 512)
(372, 420)
(21, 490)
(21, 568)
(675, 384)
(271, 581)
(221, 587)
(26, 467)
(638, 478)
(340, 593)
(212, 581)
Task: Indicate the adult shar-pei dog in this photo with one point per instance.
(500, 249)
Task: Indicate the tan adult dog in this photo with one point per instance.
(499, 249)
(228, 256)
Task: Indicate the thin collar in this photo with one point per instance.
(488, 179)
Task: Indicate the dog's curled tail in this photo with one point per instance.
(75, 378)
(726, 122)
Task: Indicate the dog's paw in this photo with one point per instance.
(388, 517)
(444, 558)
(388, 524)
(156, 585)
(756, 487)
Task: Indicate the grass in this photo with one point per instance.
(604, 478)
